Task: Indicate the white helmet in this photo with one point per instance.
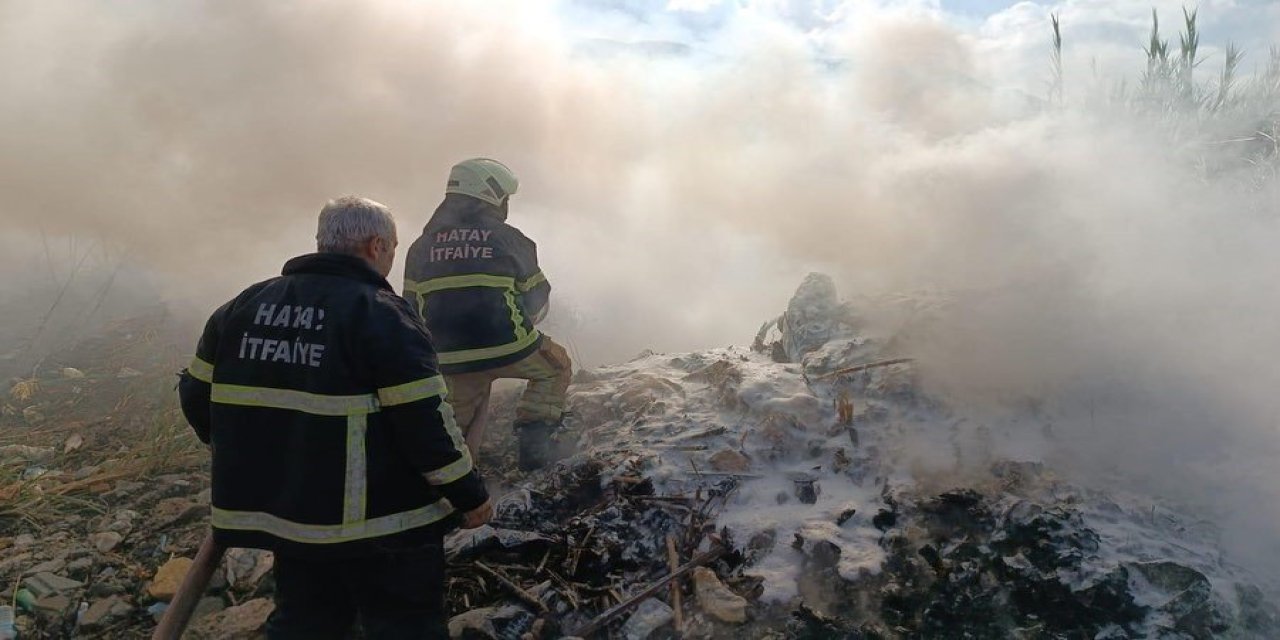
(482, 178)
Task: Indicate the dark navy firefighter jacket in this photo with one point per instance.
(319, 393)
(475, 280)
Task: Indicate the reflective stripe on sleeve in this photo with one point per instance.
(412, 391)
(460, 467)
(531, 282)
(200, 370)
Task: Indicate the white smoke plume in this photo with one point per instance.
(683, 166)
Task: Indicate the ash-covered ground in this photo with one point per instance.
(820, 492)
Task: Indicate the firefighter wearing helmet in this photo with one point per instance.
(476, 282)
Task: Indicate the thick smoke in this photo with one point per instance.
(679, 192)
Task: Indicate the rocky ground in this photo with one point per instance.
(785, 480)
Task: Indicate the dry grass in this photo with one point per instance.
(141, 436)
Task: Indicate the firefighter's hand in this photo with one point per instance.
(478, 515)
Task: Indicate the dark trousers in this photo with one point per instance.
(397, 595)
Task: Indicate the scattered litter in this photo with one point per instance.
(157, 610)
(7, 630)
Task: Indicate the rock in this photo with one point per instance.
(845, 515)
(128, 372)
(122, 521)
(80, 567)
(824, 555)
(33, 472)
(72, 443)
(126, 487)
(489, 622)
(32, 415)
(23, 541)
(168, 578)
(54, 606)
(103, 613)
(763, 542)
(730, 461)
(805, 487)
(177, 511)
(14, 561)
(50, 566)
(240, 622)
(884, 519)
(105, 541)
(1190, 605)
(812, 316)
(807, 491)
(105, 588)
(72, 373)
(716, 599)
(246, 567)
(48, 584)
(28, 453)
(208, 605)
(647, 618)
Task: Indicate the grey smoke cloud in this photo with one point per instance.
(678, 198)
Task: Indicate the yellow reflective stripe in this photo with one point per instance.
(412, 391)
(458, 282)
(485, 353)
(517, 320)
(531, 282)
(460, 467)
(312, 403)
(330, 533)
(411, 286)
(451, 472)
(356, 485)
(200, 370)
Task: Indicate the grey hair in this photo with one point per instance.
(349, 221)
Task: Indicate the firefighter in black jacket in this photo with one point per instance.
(475, 279)
(333, 445)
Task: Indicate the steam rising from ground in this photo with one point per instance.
(678, 194)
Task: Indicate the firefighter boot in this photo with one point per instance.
(536, 445)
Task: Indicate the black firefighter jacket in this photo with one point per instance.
(319, 394)
(475, 280)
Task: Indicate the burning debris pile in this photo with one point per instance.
(766, 492)
(797, 459)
